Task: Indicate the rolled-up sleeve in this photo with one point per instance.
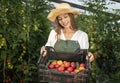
(83, 41)
(51, 39)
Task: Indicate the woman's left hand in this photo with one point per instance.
(91, 57)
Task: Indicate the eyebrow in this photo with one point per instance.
(63, 15)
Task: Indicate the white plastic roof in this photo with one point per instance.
(115, 5)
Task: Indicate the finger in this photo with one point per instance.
(89, 54)
(86, 57)
(42, 49)
(44, 53)
(41, 52)
(91, 58)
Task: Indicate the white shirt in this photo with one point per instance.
(79, 36)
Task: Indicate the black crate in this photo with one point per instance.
(50, 76)
(78, 56)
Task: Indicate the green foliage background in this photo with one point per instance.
(104, 36)
(24, 29)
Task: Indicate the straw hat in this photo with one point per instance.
(61, 9)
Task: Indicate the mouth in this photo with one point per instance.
(65, 24)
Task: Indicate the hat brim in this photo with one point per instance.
(56, 12)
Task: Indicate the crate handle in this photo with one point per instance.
(42, 59)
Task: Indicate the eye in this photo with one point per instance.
(65, 16)
(59, 18)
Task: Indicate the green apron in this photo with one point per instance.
(66, 46)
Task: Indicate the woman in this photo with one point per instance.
(66, 36)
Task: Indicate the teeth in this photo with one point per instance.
(65, 24)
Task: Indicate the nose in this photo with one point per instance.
(63, 19)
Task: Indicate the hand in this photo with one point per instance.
(43, 51)
(91, 57)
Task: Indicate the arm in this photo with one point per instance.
(84, 44)
(82, 38)
(50, 42)
(51, 39)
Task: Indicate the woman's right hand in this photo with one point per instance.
(43, 51)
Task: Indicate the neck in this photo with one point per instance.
(67, 29)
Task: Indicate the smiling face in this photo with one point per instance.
(64, 20)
